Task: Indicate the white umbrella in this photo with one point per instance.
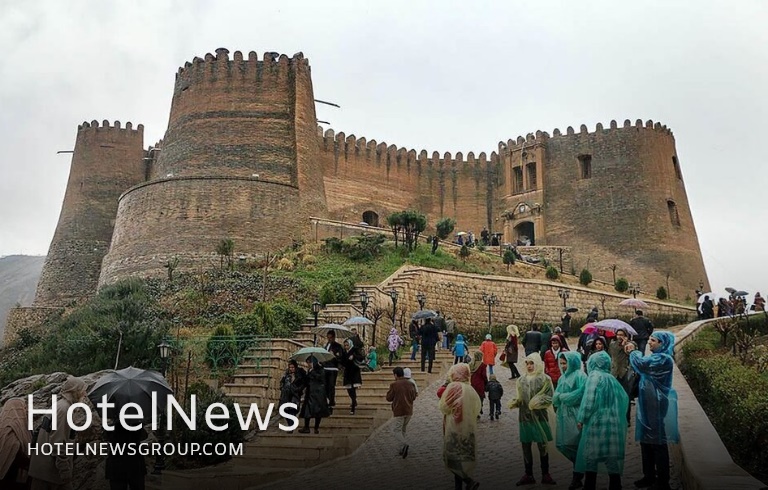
(341, 331)
(711, 295)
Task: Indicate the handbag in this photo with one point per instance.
(503, 357)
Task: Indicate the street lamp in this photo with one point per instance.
(165, 353)
(394, 294)
(490, 300)
(564, 294)
(315, 311)
(422, 299)
(364, 299)
(634, 288)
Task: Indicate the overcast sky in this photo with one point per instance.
(446, 76)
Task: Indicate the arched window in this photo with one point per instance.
(371, 217)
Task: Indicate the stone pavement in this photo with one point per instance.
(376, 464)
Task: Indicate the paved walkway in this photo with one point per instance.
(376, 464)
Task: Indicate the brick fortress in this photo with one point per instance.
(243, 158)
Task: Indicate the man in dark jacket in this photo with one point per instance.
(532, 340)
(429, 338)
(332, 367)
(644, 329)
(495, 392)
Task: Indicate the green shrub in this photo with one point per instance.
(621, 285)
(552, 273)
(585, 277)
(445, 227)
(661, 293)
(337, 290)
(464, 252)
(333, 244)
(509, 257)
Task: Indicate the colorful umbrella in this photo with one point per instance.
(590, 328)
(613, 324)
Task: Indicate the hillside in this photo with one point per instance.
(18, 280)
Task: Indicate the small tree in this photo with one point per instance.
(509, 257)
(661, 293)
(613, 271)
(225, 248)
(552, 273)
(724, 326)
(445, 227)
(171, 265)
(464, 253)
(621, 285)
(585, 277)
(395, 222)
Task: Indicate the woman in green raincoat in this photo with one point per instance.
(534, 401)
(603, 423)
(567, 400)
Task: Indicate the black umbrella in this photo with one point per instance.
(131, 385)
(740, 293)
(730, 290)
(423, 315)
(571, 309)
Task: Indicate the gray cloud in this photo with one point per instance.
(446, 76)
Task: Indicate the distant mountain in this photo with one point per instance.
(18, 281)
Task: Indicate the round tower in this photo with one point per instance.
(617, 196)
(237, 161)
(107, 159)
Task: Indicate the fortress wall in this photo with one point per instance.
(107, 160)
(620, 215)
(187, 217)
(363, 175)
(232, 118)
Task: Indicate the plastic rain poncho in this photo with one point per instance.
(657, 400)
(603, 414)
(534, 400)
(566, 400)
(460, 407)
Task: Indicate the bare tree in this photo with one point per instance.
(613, 271)
(724, 326)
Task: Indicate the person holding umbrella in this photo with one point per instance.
(656, 424)
(315, 398)
(124, 470)
(291, 386)
(429, 338)
(56, 470)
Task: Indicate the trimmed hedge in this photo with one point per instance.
(734, 398)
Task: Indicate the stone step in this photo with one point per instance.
(245, 388)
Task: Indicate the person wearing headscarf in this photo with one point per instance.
(55, 471)
(512, 350)
(567, 400)
(478, 377)
(551, 367)
(534, 401)
(759, 302)
(620, 364)
(353, 378)
(656, 418)
(291, 385)
(373, 359)
(460, 349)
(602, 420)
(394, 341)
(315, 396)
(14, 443)
(598, 345)
(460, 407)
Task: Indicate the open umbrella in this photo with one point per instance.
(318, 353)
(740, 293)
(590, 328)
(634, 303)
(341, 331)
(613, 324)
(423, 315)
(462, 233)
(704, 296)
(357, 320)
(730, 290)
(131, 385)
(571, 309)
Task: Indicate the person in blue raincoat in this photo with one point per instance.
(567, 399)
(603, 423)
(656, 424)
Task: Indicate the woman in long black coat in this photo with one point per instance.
(291, 386)
(315, 400)
(352, 377)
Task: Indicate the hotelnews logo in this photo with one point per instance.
(131, 417)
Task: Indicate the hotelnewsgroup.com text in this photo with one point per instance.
(134, 448)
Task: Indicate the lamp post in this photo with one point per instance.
(634, 288)
(165, 353)
(489, 300)
(364, 300)
(564, 294)
(315, 311)
(422, 299)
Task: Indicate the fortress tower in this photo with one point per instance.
(238, 161)
(107, 160)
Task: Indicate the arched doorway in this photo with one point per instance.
(524, 233)
(371, 218)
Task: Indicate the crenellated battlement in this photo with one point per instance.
(106, 126)
(214, 68)
(351, 146)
